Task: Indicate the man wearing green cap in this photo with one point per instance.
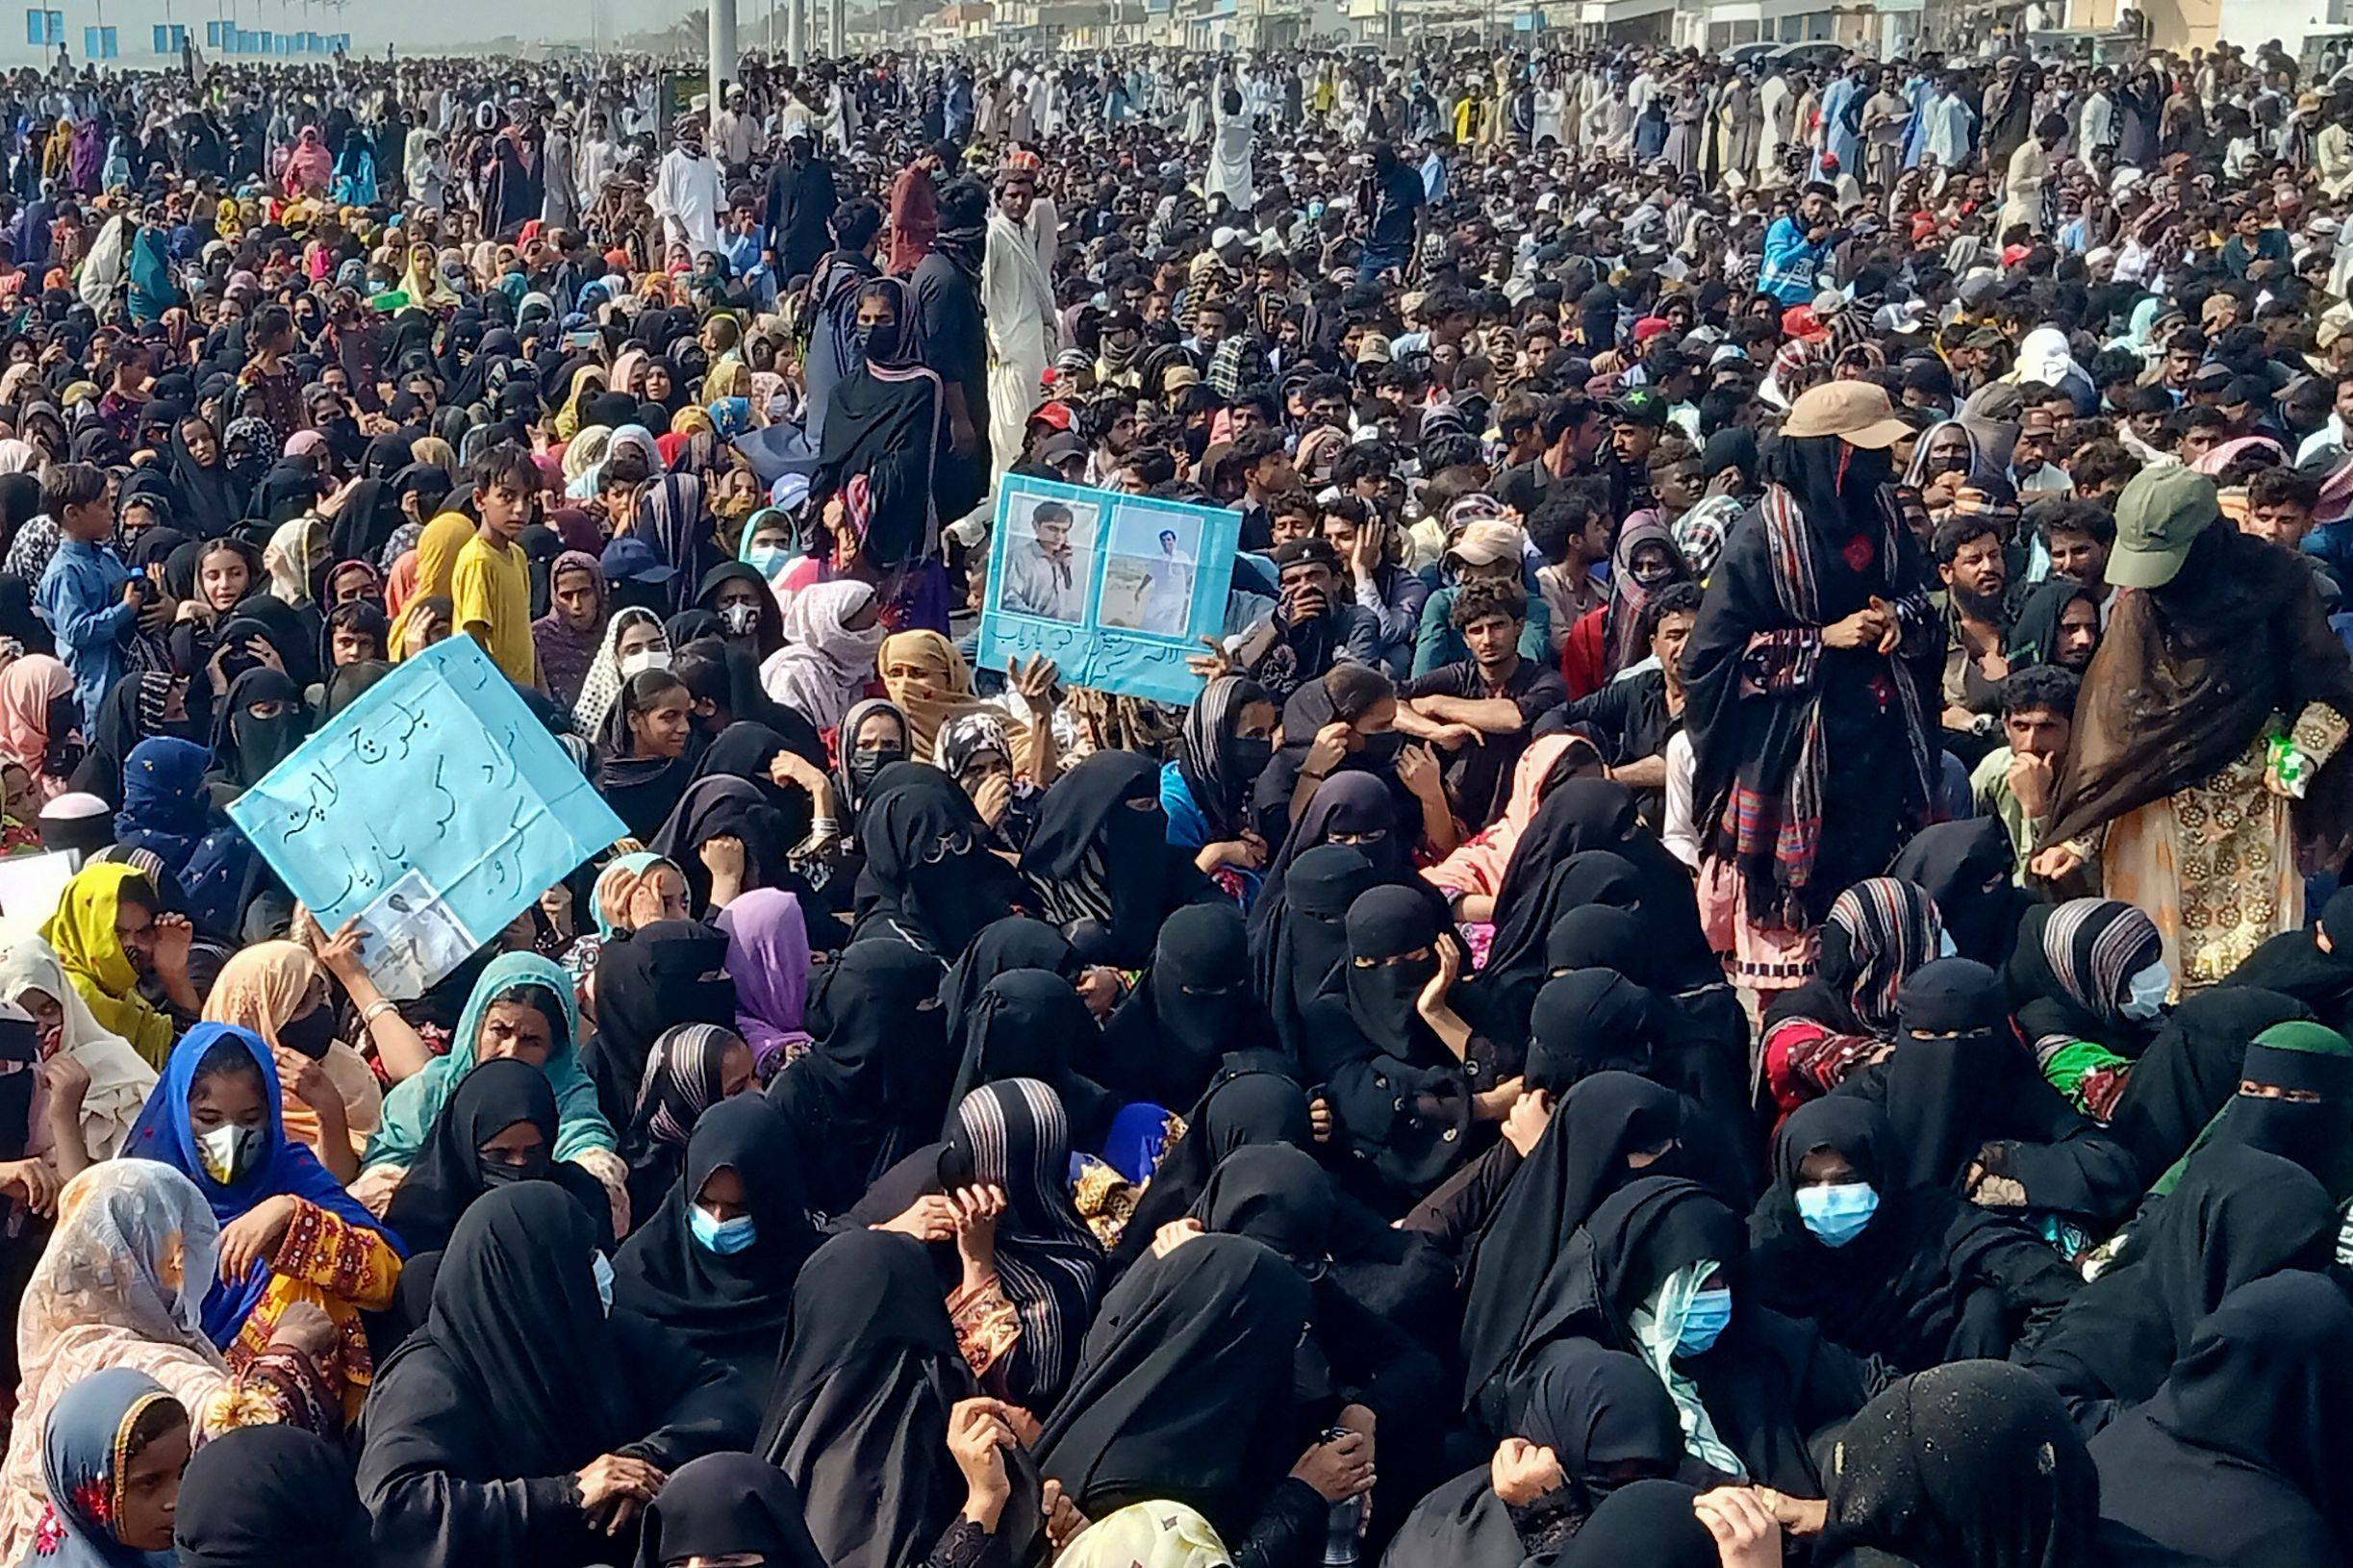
(2206, 733)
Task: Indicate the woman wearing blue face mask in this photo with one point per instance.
(1911, 1275)
(716, 1261)
(1660, 1271)
(2089, 982)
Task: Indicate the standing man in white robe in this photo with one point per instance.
(597, 161)
(1016, 294)
(688, 196)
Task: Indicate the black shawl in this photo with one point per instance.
(858, 1415)
(1296, 950)
(929, 879)
(2240, 1458)
(869, 1091)
(1966, 869)
(662, 975)
(1184, 1387)
(1101, 859)
(1251, 1100)
(2238, 1214)
(475, 1425)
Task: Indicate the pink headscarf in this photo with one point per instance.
(1478, 866)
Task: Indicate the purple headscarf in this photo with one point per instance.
(768, 956)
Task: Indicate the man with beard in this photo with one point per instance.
(1967, 549)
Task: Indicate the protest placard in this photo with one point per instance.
(433, 809)
(1117, 589)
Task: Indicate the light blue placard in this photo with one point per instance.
(1134, 604)
(433, 809)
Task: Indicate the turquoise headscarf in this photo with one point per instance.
(415, 1103)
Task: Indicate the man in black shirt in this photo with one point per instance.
(947, 290)
(1632, 718)
(1396, 197)
(1479, 710)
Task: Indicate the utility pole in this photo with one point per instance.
(797, 32)
(723, 51)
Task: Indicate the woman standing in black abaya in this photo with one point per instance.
(716, 1261)
(1810, 679)
(514, 1425)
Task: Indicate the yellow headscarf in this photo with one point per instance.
(588, 379)
(942, 691)
(1149, 1535)
(82, 932)
(437, 570)
(422, 282)
(260, 988)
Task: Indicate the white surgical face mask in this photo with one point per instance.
(2144, 994)
(644, 659)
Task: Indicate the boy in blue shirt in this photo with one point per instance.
(90, 602)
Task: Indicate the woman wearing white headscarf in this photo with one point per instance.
(602, 684)
(113, 1079)
(832, 632)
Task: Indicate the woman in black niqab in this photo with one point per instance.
(2240, 1457)
(247, 745)
(929, 882)
(1183, 1392)
(1301, 945)
(1101, 862)
(2191, 1070)
(858, 1415)
(206, 496)
(1251, 1100)
(1016, 941)
(660, 975)
(1400, 1098)
(1966, 869)
(2238, 1214)
(1928, 1279)
(2312, 964)
(478, 1424)
(1193, 1005)
(732, 1308)
(870, 1090)
(1966, 1104)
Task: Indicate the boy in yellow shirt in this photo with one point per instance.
(492, 588)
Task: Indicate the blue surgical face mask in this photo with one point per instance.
(2144, 994)
(1944, 944)
(1837, 1213)
(768, 559)
(602, 1268)
(725, 1237)
(1705, 1321)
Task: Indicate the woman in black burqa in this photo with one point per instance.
(867, 1388)
(728, 1298)
(727, 1507)
(1301, 942)
(1754, 1399)
(1194, 1004)
(1929, 1278)
(1102, 863)
(1184, 1391)
(1029, 1023)
(870, 1092)
(2240, 1214)
(512, 1424)
(931, 881)
(2240, 1457)
(1599, 1421)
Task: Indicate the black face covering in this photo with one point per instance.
(1382, 923)
(311, 1034)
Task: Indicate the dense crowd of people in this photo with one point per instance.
(1739, 958)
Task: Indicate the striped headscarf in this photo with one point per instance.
(2094, 948)
(682, 1080)
(1013, 1136)
(1877, 932)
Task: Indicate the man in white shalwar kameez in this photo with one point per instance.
(1016, 290)
(688, 195)
(597, 162)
